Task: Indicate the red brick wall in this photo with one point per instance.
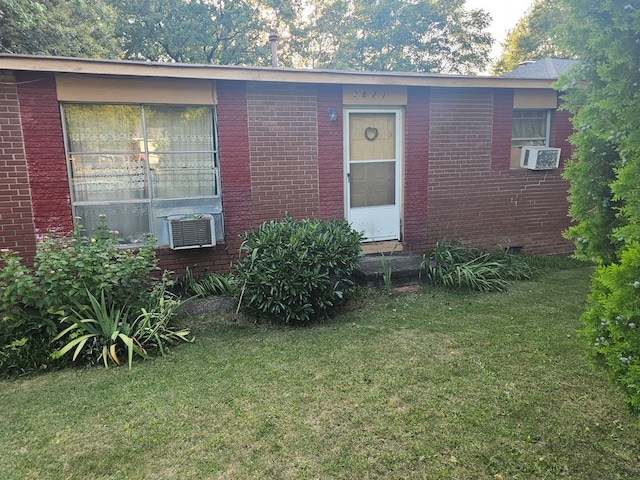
(471, 201)
(280, 153)
(330, 153)
(416, 170)
(502, 124)
(561, 129)
(283, 142)
(44, 147)
(17, 230)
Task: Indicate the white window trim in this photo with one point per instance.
(547, 129)
(159, 235)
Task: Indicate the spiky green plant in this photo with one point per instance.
(455, 265)
(101, 328)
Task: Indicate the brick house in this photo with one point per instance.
(407, 158)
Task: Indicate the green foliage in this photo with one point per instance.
(27, 324)
(612, 321)
(401, 35)
(75, 28)
(537, 35)
(591, 199)
(208, 284)
(69, 272)
(455, 265)
(102, 328)
(231, 33)
(67, 267)
(387, 272)
(295, 270)
(603, 97)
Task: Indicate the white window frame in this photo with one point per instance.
(531, 141)
(159, 228)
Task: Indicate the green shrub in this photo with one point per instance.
(67, 271)
(68, 267)
(295, 270)
(612, 321)
(455, 265)
(27, 321)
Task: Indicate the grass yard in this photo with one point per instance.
(425, 385)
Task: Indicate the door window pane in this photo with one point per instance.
(372, 136)
(373, 184)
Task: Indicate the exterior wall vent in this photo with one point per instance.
(539, 158)
(191, 231)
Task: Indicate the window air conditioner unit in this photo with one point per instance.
(539, 158)
(191, 231)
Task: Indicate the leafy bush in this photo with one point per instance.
(612, 321)
(295, 270)
(28, 322)
(455, 265)
(67, 271)
(67, 268)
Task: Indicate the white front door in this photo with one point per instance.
(373, 152)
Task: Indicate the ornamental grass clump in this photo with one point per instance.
(296, 270)
(206, 285)
(455, 265)
(102, 332)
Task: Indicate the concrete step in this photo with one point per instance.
(405, 270)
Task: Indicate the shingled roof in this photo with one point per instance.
(547, 68)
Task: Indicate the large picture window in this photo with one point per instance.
(138, 164)
(530, 128)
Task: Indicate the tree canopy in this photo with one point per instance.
(401, 35)
(603, 96)
(72, 28)
(408, 35)
(538, 34)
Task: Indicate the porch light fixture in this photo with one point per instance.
(333, 115)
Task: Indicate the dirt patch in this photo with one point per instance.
(207, 305)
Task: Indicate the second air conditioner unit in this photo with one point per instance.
(539, 158)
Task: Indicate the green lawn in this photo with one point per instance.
(428, 384)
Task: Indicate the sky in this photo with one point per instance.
(505, 15)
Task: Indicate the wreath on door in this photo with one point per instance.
(371, 133)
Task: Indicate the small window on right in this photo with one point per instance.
(530, 128)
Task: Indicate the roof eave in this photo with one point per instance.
(85, 66)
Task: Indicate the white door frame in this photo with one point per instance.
(389, 215)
